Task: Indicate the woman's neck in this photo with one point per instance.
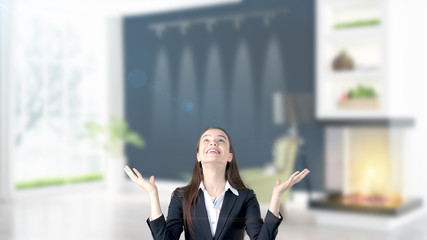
(214, 181)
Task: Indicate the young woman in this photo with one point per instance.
(216, 204)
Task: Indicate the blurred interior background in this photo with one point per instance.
(334, 86)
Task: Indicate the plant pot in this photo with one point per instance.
(362, 103)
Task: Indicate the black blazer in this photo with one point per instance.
(237, 214)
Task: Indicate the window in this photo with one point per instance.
(57, 84)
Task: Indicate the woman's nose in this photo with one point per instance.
(212, 143)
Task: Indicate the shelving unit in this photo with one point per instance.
(369, 132)
(376, 86)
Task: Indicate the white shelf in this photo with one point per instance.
(383, 55)
(354, 33)
(353, 115)
(349, 3)
(359, 75)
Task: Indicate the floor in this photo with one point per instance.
(99, 215)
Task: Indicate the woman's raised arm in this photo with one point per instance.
(149, 187)
(281, 188)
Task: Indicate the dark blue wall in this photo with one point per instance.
(177, 84)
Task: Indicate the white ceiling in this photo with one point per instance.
(112, 8)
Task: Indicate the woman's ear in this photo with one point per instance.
(230, 157)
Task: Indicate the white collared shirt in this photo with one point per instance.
(213, 208)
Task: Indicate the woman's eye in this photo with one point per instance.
(221, 140)
(205, 140)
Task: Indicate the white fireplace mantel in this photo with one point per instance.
(365, 221)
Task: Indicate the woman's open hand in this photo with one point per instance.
(149, 186)
(296, 177)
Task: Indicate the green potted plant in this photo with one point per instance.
(112, 137)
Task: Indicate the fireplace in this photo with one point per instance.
(365, 171)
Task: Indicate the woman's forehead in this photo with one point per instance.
(214, 133)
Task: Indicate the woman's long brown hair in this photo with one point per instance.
(191, 191)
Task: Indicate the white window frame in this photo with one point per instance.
(8, 183)
(5, 186)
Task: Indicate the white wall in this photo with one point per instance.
(417, 172)
(422, 106)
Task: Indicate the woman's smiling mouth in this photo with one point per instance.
(212, 150)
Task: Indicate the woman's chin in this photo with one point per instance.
(214, 161)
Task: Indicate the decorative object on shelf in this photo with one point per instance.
(112, 137)
(357, 23)
(361, 97)
(343, 62)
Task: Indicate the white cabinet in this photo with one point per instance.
(375, 45)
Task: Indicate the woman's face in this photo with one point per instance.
(214, 147)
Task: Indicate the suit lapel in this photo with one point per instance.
(202, 215)
(227, 206)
